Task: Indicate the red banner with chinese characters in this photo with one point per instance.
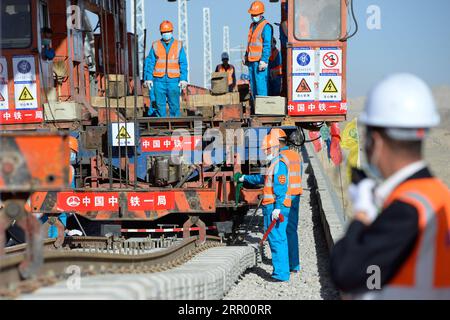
(151, 201)
(21, 116)
(169, 144)
(314, 108)
(88, 201)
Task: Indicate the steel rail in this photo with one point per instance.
(96, 261)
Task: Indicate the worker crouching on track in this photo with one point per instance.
(281, 195)
(398, 246)
(229, 69)
(259, 50)
(166, 71)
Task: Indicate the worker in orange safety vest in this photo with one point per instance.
(258, 50)
(229, 69)
(275, 70)
(398, 246)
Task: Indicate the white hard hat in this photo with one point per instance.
(401, 101)
(225, 56)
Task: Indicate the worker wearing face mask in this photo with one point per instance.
(166, 71)
(276, 201)
(259, 50)
(398, 246)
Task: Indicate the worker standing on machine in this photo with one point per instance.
(166, 71)
(278, 198)
(276, 71)
(229, 69)
(397, 247)
(259, 50)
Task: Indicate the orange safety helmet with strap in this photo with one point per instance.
(255, 41)
(167, 63)
(257, 8)
(230, 72)
(166, 26)
(426, 273)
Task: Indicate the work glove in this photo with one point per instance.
(242, 178)
(183, 85)
(276, 214)
(363, 199)
(262, 66)
(148, 84)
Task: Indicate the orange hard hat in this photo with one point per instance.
(269, 142)
(73, 144)
(279, 134)
(166, 26)
(257, 8)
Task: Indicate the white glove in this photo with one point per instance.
(276, 214)
(363, 200)
(148, 84)
(242, 178)
(74, 233)
(183, 85)
(262, 66)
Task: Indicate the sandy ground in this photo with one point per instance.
(437, 148)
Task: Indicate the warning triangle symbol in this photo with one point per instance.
(2, 99)
(123, 134)
(303, 86)
(26, 95)
(330, 87)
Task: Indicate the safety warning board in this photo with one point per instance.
(330, 88)
(24, 69)
(123, 134)
(303, 88)
(303, 60)
(25, 96)
(331, 61)
(4, 103)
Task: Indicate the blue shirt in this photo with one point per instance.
(150, 63)
(267, 40)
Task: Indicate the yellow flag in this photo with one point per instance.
(350, 141)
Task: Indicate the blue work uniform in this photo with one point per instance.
(278, 240)
(259, 80)
(275, 77)
(166, 89)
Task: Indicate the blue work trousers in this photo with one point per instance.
(167, 91)
(52, 230)
(278, 243)
(259, 80)
(292, 235)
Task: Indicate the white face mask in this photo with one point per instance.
(167, 36)
(256, 19)
(372, 167)
(270, 157)
(73, 157)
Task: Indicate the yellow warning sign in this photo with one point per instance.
(26, 95)
(123, 134)
(330, 87)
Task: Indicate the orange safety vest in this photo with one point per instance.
(426, 273)
(293, 162)
(230, 72)
(255, 42)
(276, 71)
(167, 63)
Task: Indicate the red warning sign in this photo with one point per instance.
(303, 87)
(330, 59)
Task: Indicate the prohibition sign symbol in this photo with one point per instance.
(330, 60)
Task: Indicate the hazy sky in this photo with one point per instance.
(414, 37)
